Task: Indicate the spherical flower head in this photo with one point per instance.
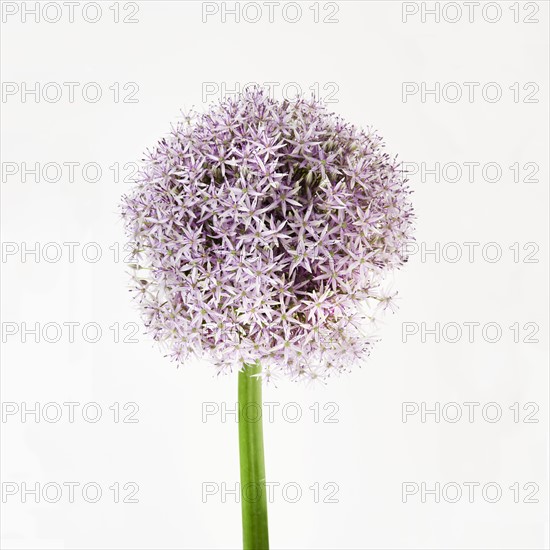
(262, 231)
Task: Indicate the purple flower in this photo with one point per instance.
(262, 229)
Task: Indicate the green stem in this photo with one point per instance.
(251, 450)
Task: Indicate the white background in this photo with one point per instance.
(370, 452)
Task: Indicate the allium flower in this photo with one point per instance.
(261, 230)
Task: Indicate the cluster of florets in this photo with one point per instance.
(262, 231)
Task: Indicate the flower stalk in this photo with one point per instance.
(251, 449)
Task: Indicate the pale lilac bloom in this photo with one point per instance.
(262, 228)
